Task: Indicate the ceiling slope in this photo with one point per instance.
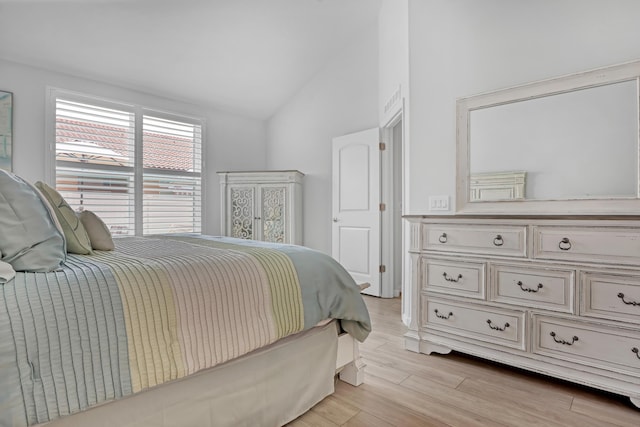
(244, 56)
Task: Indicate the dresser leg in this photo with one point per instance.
(428, 348)
(635, 401)
(412, 341)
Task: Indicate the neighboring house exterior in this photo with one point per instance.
(108, 148)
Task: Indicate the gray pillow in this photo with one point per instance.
(30, 237)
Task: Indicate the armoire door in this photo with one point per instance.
(273, 218)
(242, 212)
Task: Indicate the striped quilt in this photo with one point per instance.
(154, 310)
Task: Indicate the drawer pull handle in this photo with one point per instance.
(497, 328)
(561, 341)
(452, 279)
(443, 316)
(498, 240)
(526, 289)
(443, 238)
(635, 350)
(621, 296)
(564, 244)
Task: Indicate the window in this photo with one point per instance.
(171, 169)
(138, 169)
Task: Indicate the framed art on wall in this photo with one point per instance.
(6, 131)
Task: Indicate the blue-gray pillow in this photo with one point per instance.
(30, 237)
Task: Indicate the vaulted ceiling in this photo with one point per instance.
(244, 56)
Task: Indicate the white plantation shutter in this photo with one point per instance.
(95, 161)
(172, 158)
(96, 165)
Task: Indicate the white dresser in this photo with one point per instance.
(556, 296)
(262, 205)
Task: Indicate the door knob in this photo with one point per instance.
(335, 219)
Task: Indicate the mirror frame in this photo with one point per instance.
(584, 80)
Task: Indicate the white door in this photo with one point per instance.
(356, 206)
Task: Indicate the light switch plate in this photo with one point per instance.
(439, 203)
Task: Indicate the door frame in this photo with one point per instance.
(389, 217)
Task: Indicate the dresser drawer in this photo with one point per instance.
(480, 239)
(488, 324)
(544, 288)
(610, 296)
(600, 346)
(454, 277)
(591, 244)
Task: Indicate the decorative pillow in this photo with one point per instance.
(29, 237)
(77, 239)
(98, 232)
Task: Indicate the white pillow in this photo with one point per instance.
(98, 232)
(7, 273)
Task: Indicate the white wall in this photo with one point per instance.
(464, 47)
(394, 94)
(342, 98)
(233, 142)
(393, 39)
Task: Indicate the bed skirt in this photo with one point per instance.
(268, 387)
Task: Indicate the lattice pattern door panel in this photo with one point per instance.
(273, 214)
(242, 212)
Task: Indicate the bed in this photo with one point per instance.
(172, 330)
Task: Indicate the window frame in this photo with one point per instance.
(139, 111)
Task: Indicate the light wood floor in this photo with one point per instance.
(406, 389)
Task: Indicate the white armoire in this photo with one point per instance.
(262, 205)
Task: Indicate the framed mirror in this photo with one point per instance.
(568, 145)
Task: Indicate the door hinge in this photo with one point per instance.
(383, 268)
(383, 207)
(383, 146)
